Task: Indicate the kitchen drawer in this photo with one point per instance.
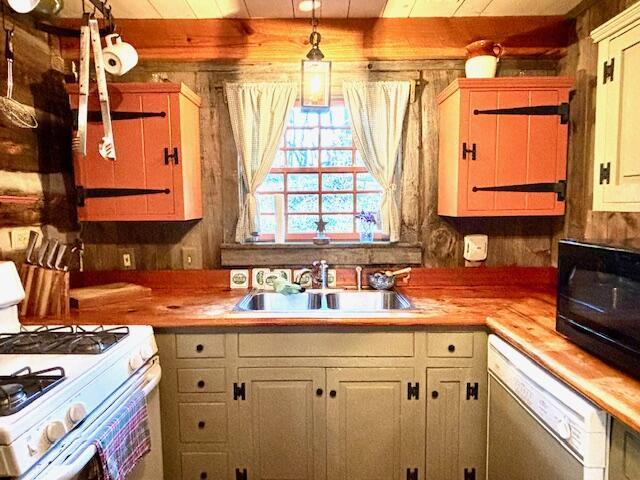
(199, 346)
(370, 344)
(203, 422)
(454, 345)
(204, 466)
(201, 380)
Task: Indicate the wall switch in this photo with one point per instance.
(19, 238)
(475, 248)
(191, 258)
(127, 259)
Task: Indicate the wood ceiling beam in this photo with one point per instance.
(277, 40)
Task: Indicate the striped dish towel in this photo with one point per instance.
(124, 441)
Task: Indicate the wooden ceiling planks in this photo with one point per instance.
(278, 40)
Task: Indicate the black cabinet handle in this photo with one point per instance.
(333, 393)
(203, 476)
(319, 392)
(199, 348)
(452, 348)
(201, 424)
(201, 384)
(434, 394)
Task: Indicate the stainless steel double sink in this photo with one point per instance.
(314, 300)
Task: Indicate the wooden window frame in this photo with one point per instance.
(353, 169)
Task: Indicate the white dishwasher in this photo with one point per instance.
(539, 428)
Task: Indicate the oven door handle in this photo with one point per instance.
(153, 379)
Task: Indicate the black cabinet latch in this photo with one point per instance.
(469, 474)
(561, 110)
(241, 474)
(605, 173)
(412, 474)
(607, 70)
(559, 188)
(171, 156)
(239, 391)
(83, 193)
(472, 391)
(466, 151)
(413, 391)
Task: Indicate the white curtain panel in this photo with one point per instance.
(377, 112)
(258, 114)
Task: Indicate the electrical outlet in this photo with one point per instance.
(19, 238)
(127, 259)
(191, 258)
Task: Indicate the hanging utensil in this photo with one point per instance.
(107, 147)
(23, 6)
(79, 142)
(50, 8)
(16, 113)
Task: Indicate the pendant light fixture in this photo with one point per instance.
(316, 72)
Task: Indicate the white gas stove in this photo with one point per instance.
(47, 400)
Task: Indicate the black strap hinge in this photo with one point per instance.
(241, 474)
(559, 188)
(171, 156)
(605, 173)
(413, 391)
(83, 193)
(412, 474)
(469, 474)
(607, 70)
(466, 151)
(239, 391)
(562, 110)
(472, 391)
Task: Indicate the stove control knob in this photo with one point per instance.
(564, 429)
(146, 352)
(54, 431)
(77, 412)
(135, 362)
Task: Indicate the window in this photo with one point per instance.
(321, 176)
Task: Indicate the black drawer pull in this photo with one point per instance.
(201, 424)
(434, 394)
(319, 392)
(199, 348)
(452, 348)
(201, 384)
(333, 393)
(203, 476)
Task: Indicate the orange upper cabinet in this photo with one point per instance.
(156, 173)
(503, 146)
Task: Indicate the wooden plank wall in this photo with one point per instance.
(35, 165)
(522, 241)
(581, 61)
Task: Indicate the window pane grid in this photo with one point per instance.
(323, 182)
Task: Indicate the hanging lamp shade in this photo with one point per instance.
(316, 75)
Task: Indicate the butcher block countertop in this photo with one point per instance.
(516, 304)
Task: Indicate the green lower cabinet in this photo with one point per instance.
(624, 456)
(456, 424)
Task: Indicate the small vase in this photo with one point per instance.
(366, 232)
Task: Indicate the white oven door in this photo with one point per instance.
(74, 459)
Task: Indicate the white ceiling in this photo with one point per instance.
(329, 9)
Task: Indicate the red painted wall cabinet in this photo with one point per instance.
(156, 131)
(503, 146)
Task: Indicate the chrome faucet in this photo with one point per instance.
(320, 274)
(359, 277)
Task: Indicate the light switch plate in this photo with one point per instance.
(127, 259)
(475, 247)
(191, 258)
(19, 238)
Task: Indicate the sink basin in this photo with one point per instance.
(344, 301)
(276, 302)
(366, 301)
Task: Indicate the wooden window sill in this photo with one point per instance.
(264, 254)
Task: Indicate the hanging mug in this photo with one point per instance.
(482, 59)
(119, 56)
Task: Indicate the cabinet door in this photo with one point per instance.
(456, 424)
(514, 150)
(624, 457)
(283, 421)
(617, 126)
(375, 432)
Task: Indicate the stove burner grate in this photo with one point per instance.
(73, 340)
(24, 386)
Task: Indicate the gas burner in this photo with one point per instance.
(76, 340)
(24, 386)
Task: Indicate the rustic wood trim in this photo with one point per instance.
(268, 40)
(235, 255)
(20, 199)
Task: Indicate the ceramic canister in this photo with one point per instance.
(482, 59)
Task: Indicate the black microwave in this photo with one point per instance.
(599, 300)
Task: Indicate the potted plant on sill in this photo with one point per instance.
(368, 224)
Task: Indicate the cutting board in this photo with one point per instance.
(98, 295)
